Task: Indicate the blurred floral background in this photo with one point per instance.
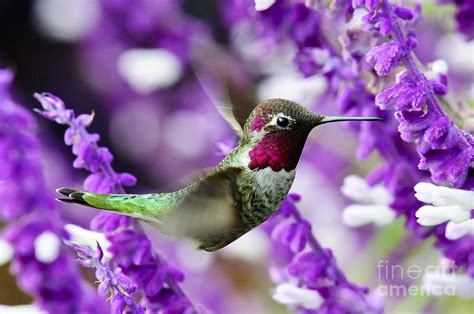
(380, 217)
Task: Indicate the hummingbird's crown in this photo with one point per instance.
(280, 114)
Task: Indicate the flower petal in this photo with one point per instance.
(289, 294)
(456, 231)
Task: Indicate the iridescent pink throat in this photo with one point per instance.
(277, 151)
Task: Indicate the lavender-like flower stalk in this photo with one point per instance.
(133, 251)
(91, 157)
(41, 262)
(113, 284)
(312, 282)
(445, 150)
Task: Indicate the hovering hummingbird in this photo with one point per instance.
(240, 193)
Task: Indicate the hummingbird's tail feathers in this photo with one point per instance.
(65, 191)
(143, 207)
(73, 196)
(84, 198)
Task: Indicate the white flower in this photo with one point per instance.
(6, 252)
(434, 215)
(47, 247)
(455, 231)
(444, 196)
(289, 294)
(89, 238)
(262, 5)
(374, 207)
(357, 189)
(448, 204)
(359, 215)
(147, 70)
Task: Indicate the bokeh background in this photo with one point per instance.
(152, 72)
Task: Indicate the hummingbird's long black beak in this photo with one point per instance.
(329, 119)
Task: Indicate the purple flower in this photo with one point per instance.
(312, 268)
(112, 282)
(386, 56)
(135, 255)
(294, 235)
(408, 94)
(41, 262)
(133, 251)
(402, 12)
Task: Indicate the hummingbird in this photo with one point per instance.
(240, 193)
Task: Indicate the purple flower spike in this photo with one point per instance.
(313, 268)
(41, 263)
(133, 252)
(113, 284)
(90, 156)
(446, 151)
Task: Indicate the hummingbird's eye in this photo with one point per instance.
(282, 122)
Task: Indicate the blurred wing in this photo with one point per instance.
(210, 208)
(220, 100)
(227, 113)
(225, 82)
(243, 101)
(194, 176)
